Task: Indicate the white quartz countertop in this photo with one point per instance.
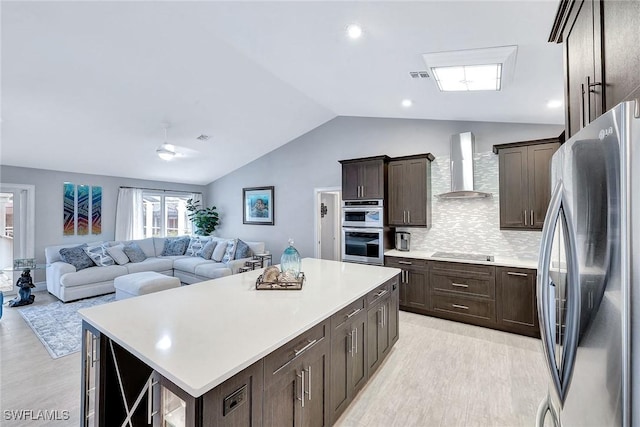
(200, 335)
(498, 261)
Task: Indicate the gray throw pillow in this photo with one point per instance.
(77, 257)
(117, 253)
(207, 250)
(243, 250)
(175, 246)
(134, 252)
(219, 251)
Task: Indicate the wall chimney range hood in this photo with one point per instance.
(462, 150)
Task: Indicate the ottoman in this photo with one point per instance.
(146, 282)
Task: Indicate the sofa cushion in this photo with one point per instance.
(134, 252)
(99, 255)
(77, 257)
(189, 264)
(219, 251)
(146, 245)
(92, 275)
(158, 244)
(212, 270)
(231, 250)
(175, 246)
(150, 264)
(207, 250)
(117, 253)
(242, 250)
(196, 244)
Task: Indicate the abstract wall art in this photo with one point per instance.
(82, 209)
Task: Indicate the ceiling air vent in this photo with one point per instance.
(203, 137)
(419, 74)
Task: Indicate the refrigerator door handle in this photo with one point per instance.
(542, 413)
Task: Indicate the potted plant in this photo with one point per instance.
(205, 220)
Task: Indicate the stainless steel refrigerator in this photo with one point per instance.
(589, 276)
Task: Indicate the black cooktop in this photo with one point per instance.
(463, 256)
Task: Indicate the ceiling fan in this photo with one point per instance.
(168, 151)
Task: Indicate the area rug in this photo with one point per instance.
(58, 325)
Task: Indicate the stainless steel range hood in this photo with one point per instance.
(462, 150)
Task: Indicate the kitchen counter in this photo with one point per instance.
(498, 261)
(200, 335)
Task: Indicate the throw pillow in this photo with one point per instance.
(195, 245)
(207, 251)
(134, 252)
(219, 251)
(175, 246)
(99, 255)
(77, 257)
(230, 253)
(243, 250)
(117, 253)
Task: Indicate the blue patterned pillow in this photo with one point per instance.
(230, 253)
(195, 246)
(175, 246)
(77, 257)
(134, 252)
(99, 255)
(243, 250)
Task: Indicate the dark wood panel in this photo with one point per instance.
(343, 316)
(394, 314)
(513, 187)
(373, 179)
(539, 179)
(463, 285)
(316, 394)
(340, 360)
(461, 306)
(416, 289)
(416, 192)
(396, 201)
(517, 304)
(281, 407)
(350, 180)
(464, 270)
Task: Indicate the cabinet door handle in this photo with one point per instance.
(513, 273)
(525, 217)
(532, 217)
(355, 331)
(382, 292)
(350, 343)
(301, 398)
(463, 307)
(297, 353)
(459, 285)
(409, 216)
(405, 262)
(309, 382)
(354, 312)
(582, 112)
(404, 217)
(379, 312)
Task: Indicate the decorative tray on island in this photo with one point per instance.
(281, 284)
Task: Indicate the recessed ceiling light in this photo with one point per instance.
(468, 77)
(554, 103)
(354, 31)
(406, 103)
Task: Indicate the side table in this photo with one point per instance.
(265, 259)
(25, 283)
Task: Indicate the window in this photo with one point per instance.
(165, 215)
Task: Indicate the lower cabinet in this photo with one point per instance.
(378, 336)
(518, 310)
(414, 282)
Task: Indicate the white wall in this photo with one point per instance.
(48, 204)
(311, 161)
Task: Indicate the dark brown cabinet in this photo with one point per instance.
(378, 336)
(394, 313)
(414, 283)
(349, 371)
(517, 311)
(601, 56)
(364, 178)
(409, 201)
(463, 292)
(296, 391)
(525, 182)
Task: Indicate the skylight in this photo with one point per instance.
(486, 69)
(468, 77)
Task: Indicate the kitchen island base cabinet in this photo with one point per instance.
(378, 332)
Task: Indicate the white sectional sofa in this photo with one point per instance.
(68, 284)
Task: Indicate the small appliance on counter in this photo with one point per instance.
(403, 241)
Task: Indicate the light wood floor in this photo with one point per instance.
(439, 373)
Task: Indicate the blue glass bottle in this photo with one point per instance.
(290, 261)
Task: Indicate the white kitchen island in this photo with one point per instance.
(198, 337)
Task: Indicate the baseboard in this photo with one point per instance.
(40, 286)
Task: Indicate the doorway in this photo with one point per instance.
(327, 223)
(17, 222)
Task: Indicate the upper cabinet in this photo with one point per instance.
(525, 182)
(601, 56)
(409, 202)
(364, 178)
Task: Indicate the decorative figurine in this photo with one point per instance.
(25, 283)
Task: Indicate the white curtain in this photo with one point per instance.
(129, 214)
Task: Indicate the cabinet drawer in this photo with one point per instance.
(278, 360)
(465, 307)
(343, 316)
(400, 262)
(483, 287)
(380, 292)
(464, 270)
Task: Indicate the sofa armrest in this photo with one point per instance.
(235, 264)
(55, 271)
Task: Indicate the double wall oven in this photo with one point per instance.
(364, 236)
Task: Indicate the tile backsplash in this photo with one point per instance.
(472, 225)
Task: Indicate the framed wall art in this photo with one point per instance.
(258, 205)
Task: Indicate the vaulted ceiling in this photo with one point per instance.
(88, 86)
